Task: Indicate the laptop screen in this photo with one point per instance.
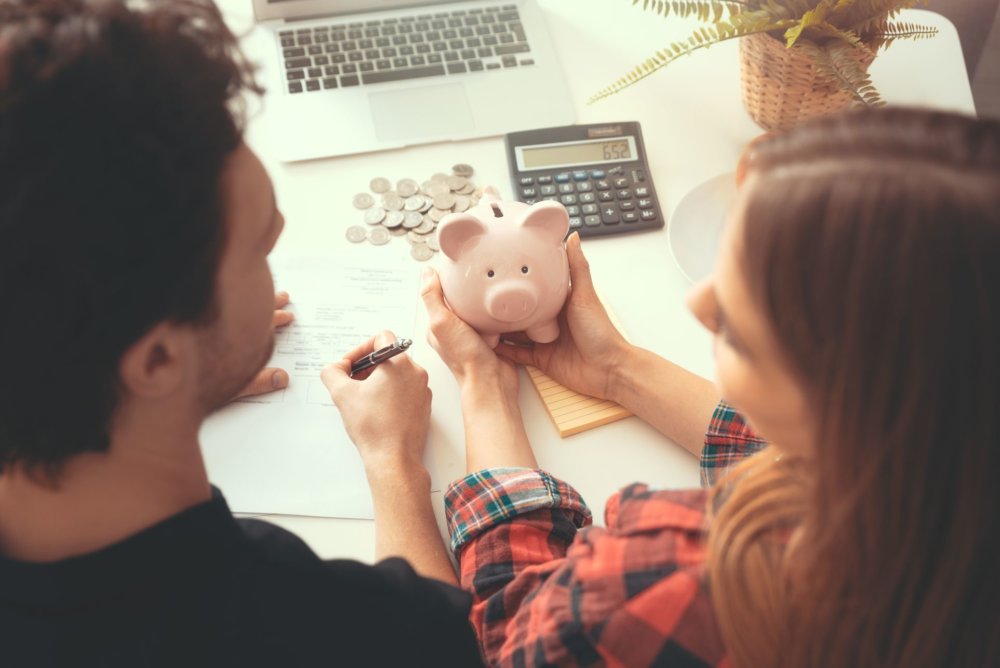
(286, 9)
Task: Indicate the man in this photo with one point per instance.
(134, 232)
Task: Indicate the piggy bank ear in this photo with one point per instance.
(455, 231)
(550, 218)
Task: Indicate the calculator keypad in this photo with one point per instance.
(595, 199)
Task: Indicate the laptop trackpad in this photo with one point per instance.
(432, 111)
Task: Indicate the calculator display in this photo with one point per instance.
(594, 152)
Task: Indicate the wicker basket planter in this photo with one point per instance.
(781, 87)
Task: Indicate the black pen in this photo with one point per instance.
(380, 355)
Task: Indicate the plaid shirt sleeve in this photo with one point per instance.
(548, 590)
(728, 441)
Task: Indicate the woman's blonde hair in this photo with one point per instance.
(871, 244)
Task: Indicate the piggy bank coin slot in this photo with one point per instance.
(497, 213)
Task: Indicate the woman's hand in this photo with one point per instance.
(386, 409)
(461, 347)
(589, 348)
(271, 378)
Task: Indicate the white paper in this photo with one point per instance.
(287, 452)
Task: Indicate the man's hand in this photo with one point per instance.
(589, 347)
(386, 409)
(271, 378)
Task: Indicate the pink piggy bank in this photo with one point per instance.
(504, 267)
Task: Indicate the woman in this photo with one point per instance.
(856, 313)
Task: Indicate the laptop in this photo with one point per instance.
(351, 76)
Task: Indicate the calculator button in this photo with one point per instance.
(527, 180)
(544, 179)
(597, 174)
(584, 187)
(589, 208)
(529, 192)
(587, 197)
(592, 221)
(606, 196)
(573, 210)
(575, 222)
(550, 199)
(642, 191)
(629, 217)
(621, 182)
(529, 201)
(580, 176)
(638, 175)
(610, 215)
(625, 194)
(562, 178)
(566, 188)
(602, 185)
(647, 214)
(645, 203)
(568, 199)
(626, 205)
(547, 190)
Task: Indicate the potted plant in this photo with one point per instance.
(798, 58)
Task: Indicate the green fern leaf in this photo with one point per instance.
(836, 61)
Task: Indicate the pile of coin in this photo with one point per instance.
(413, 209)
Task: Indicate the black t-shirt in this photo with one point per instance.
(205, 589)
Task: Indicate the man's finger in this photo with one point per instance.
(281, 299)
(282, 318)
(335, 377)
(267, 380)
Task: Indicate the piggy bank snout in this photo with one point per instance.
(511, 303)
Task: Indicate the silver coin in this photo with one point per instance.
(393, 218)
(467, 189)
(374, 215)
(444, 202)
(456, 183)
(437, 188)
(462, 169)
(379, 185)
(413, 203)
(437, 214)
(432, 242)
(439, 177)
(412, 219)
(426, 206)
(426, 226)
(406, 187)
(392, 201)
(363, 201)
(356, 234)
(421, 252)
(415, 237)
(378, 236)
(398, 231)
(426, 186)
(462, 203)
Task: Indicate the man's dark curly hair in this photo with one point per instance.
(115, 125)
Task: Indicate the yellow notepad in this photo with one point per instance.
(572, 412)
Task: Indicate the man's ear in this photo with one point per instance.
(154, 365)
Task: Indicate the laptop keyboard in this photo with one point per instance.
(341, 55)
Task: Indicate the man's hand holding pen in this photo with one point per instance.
(386, 409)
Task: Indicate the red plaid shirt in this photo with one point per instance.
(550, 590)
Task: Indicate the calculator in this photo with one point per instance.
(599, 172)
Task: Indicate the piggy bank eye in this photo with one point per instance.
(491, 273)
(524, 269)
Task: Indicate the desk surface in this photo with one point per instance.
(694, 127)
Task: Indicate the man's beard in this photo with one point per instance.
(226, 369)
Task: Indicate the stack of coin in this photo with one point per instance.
(413, 209)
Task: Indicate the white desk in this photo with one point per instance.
(694, 127)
